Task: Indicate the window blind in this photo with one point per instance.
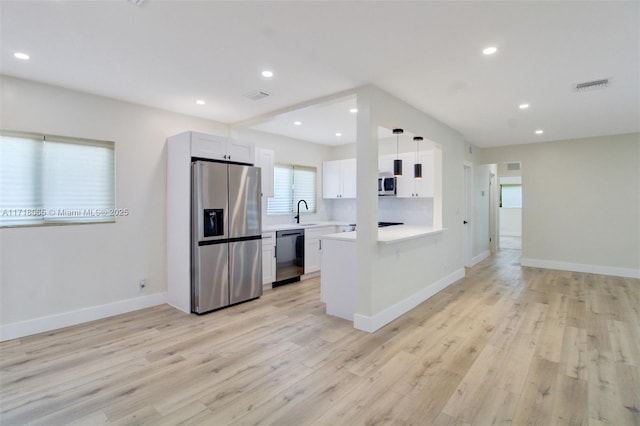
(47, 179)
(292, 183)
(511, 196)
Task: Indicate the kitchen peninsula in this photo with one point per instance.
(401, 251)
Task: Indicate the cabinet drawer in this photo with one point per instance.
(311, 233)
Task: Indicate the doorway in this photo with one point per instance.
(508, 203)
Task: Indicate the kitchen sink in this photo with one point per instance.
(307, 224)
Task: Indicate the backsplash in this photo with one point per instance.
(410, 211)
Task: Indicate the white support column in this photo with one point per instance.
(367, 200)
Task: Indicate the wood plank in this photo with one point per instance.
(570, 406)
(535, 405)
(573, 358)
(504, 345)
(497, 408)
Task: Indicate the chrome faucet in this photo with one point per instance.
(297, 218)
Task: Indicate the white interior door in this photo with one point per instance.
(467, 215)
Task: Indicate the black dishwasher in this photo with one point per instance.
(289, 256)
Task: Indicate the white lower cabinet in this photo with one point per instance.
(313, 247)
(268, 258)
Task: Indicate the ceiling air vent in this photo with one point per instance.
(592, 85)
(256, 95)
(513, 166)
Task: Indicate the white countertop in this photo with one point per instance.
(311, 225)
(390, 234)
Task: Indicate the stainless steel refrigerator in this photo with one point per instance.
(226, 253)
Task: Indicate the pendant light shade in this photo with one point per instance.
(397, 163)
(417, 171)
(417, 167)
(397, 167)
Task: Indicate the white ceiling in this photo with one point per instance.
(167, 54)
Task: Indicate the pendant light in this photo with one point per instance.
(417, 167)
(397, 163)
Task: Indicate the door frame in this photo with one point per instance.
(494, 217)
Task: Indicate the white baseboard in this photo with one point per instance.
(377, 321)
(580, 267)
(38, 325)
(479, 258)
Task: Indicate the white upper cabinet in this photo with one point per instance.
(242, 152)
(349, 178)
(409, 187)
(331, 179)
(265, 160)
(220, 148)
(339, 178)
(208, 146)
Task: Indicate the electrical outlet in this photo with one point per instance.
(142, 284)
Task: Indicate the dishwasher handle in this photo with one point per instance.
(290, 234)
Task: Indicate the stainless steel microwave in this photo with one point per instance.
(386, 184)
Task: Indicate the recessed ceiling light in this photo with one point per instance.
(267, 73)
(353, 110)
(523, 106)
(297, 123)
(21, 55)
(490, 50)
(539, 132)
(200, 102)
(338, 134)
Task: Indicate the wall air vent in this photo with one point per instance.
(513, 166)
(256, 95)
(592, 85)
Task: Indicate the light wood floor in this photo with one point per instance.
(506, 345)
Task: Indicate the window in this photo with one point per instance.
(50, 180)
(292, 183)
(511, 196)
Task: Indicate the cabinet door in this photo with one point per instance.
(349, 177)
(406, 184)
(208, 146)
(265, 160)
(311, 255)
(385, 164)
(424, 186)
(268, 264)
(331, 181)
(268, 257)
(242, 152)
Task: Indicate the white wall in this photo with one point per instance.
(581, 202)
(510, 222)
(53, 275)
